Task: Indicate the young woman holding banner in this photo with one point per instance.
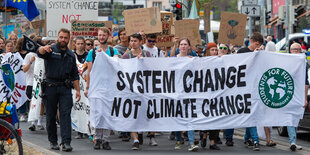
(211, 50)
(184, 46)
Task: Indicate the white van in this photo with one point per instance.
(280, 46)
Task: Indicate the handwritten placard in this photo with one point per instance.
(165, 39)
(206, 17)
(61, 13)
(188, 28)
(232, 29)
(27, 29)
(88, 29)
(144, 19)
(38, 24)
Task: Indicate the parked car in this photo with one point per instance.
(281, 45)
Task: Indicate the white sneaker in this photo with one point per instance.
(40, 127)
(23, 118)
(193, 148)
(153, 142)
(298, 147)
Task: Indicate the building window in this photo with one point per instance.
(158, 4)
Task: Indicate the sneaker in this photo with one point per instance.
(135, 146)
(140, 138)
(256, 147)
(41, 127)
(66, 147)
(214, 147)
(106, 146)
(97, 144)
(23, 118)
(298, 147)
(193, 148)
(248, 143)
(54, 146)
(32, 127)
(178, 145)
(293, 147)
(229, 142)
(203, 142)
(153, 142)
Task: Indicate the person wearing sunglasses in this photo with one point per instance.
(150, 46)
(223, 49)
(89, 44)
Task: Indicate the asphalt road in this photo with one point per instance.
(38, 140)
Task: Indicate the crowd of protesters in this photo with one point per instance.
(144, 45)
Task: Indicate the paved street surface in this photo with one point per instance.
(38, 140)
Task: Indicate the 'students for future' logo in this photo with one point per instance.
(276, 88)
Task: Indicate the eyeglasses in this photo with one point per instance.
(151, 41)
(296, 49)
(223, 48)
(89, 44)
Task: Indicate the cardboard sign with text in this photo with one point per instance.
(88, 29)
(145, 19)
(38, 24)
(27, 29)
(188, 28)
(165, 39)
(206, 17)
(232, 28)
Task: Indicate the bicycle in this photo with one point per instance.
(10, 138)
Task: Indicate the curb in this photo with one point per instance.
(38, 148)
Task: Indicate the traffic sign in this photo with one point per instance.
(251, 11)
(249, 2)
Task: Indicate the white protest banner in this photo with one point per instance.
(80, 111)
(36, 100)
(179, 94)
(12, 79)
(61, 12)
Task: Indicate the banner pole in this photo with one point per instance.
(5, 18)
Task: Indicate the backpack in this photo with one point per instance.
(111, 52)
(132, 56)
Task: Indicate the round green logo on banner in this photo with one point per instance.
(276, 88)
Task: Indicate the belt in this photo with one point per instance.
(55, 84)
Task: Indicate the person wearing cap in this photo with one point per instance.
(213, 134)
(211, 49)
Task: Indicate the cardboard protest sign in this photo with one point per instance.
(144, 19)
(206, 17)
(165, 39)
(232, 28)
(88, 29)
(38, 24)
(188, 28)
(60, 13)
(27, 29)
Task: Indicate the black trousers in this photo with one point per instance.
(58, 96)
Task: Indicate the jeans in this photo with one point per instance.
(191, 136)
(229, 134)
(292, 134)
(102, 134)
(251, 132)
